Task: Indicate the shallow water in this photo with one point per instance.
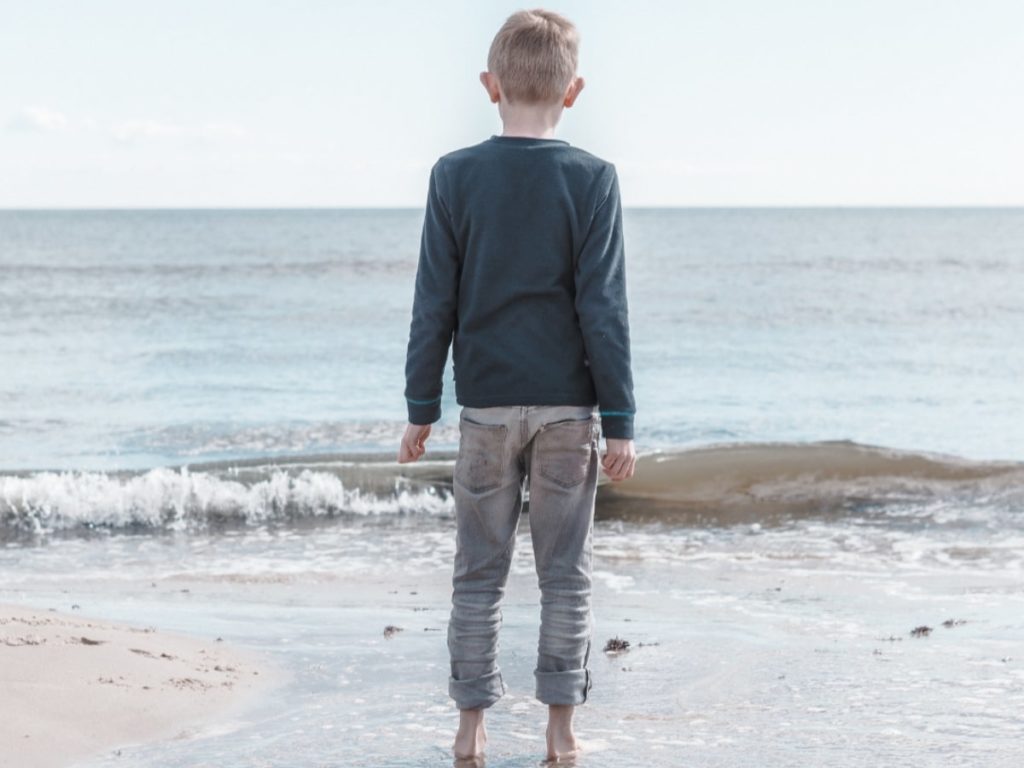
(790, 640)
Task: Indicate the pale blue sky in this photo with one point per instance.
(723, 102)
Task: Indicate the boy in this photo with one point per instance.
(521, 260)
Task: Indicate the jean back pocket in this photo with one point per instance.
(564, 450)
(480, 462)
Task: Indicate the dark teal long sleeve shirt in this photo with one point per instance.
(522, 271)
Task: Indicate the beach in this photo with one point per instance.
(76, 686)
(847, 632)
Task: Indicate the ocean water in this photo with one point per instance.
(140, 339)
(200, 413)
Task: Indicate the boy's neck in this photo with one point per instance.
(528, 133)
(530, 122)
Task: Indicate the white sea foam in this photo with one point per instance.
(179, 499)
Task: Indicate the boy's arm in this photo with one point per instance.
(604, 314)
(434, 307)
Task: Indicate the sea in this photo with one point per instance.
(819, 560)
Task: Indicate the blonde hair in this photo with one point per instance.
(534, 56)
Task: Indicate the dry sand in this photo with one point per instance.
(73, 687)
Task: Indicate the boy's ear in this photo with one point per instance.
(573, 91)
(490, 83)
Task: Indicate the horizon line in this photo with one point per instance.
(701, 206)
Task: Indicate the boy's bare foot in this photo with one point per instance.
(472, 736)
(562, 742)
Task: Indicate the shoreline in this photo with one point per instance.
(811, 636)
(76, 687)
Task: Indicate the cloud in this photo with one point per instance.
(133, 131)
(38, 120)
(35, 119)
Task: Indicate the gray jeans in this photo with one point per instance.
(555, 447)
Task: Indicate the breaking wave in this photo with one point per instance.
(730, 482)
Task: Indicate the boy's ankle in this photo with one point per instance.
(560, 715)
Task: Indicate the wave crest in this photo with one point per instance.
(744, 482)
(180, 499)
(748, 482)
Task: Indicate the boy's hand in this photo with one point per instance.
(619, 458)
(413, 443)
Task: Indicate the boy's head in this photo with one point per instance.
(532, 61)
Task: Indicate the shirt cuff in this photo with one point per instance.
(617, 425)
(424, 411)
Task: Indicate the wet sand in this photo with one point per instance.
(876, 638)
(75, 687)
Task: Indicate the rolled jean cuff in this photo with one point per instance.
(478, 692)
(569, 687)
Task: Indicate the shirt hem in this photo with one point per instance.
(543, 398)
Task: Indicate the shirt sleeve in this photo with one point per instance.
(434, 307)
(604, 314)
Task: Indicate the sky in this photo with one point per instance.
(720, 103)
